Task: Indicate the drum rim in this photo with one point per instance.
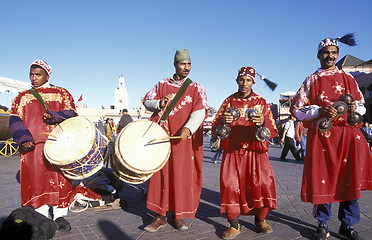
(129, 178)
(80, 177)
(125, 163)
(119, 168)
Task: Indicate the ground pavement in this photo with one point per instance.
(292, 219)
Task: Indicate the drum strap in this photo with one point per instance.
(38, 97)
(182, 89)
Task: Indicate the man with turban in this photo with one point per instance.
(177, 186)
(338, 162)
(247, 182)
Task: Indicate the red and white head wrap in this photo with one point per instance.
(44, 65)
(249, 71)
(327, 42)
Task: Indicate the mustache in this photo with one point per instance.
(329, 58)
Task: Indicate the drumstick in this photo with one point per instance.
(47, 133)
(148, 129)
(162, 139)
(156, 122)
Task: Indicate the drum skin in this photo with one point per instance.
(135, 159)
(4, 127)
(77, 147)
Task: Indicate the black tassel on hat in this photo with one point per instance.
(348, 39)
(269, 83)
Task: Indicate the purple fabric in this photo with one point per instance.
(60, 116)
(19, 131)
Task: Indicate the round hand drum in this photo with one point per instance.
(137, 155)
(77, 147)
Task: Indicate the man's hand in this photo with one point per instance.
(28, 145)
(227, 118)
(185, 133)
(328, 111)
(46, 116)
(164, 101)
(258, 119)
(352, 107)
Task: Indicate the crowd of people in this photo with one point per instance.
(245, 126)
(110, 129)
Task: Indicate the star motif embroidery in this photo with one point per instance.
(61, 184)
(186, 100)
(338, 88)
(358, 137)
(345, 160)
(326, 134)
(321, 96)
(323, 181)
(51, 182)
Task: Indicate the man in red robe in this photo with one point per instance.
(177, 186)
(247, 180)
(42, 184)
(338, 163)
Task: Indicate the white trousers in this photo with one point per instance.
(54, 213)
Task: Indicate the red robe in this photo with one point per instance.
(246, 179)
(177, 186)
(338, 163)
(42, 183)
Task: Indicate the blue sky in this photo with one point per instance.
(90, 44)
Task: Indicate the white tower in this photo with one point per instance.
(121, 95)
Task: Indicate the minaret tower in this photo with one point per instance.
(121, 95)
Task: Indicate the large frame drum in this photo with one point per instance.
(77, 147)
(135, 158)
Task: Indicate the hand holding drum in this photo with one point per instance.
(166, 100)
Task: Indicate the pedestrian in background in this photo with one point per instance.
(125, 119)
(288, 138)
(109, 131)
(367, 131)
(217, 155)
(301, 138)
